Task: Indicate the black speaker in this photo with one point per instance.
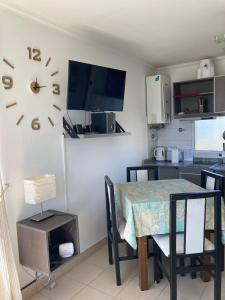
(103, 122)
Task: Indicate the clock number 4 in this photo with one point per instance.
(35, 124)
(34, 54)
(56, 89)
(7, 82)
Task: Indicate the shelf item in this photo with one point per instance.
(38, 242)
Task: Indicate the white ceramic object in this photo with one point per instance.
(66, 250)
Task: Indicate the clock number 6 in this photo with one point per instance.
(34, 54)
(7, 82)
(56, 89)
(35, 124)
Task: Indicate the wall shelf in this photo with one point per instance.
(101, 135)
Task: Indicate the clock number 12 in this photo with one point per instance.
(34, 54)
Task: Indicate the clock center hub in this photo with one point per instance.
(35, 88)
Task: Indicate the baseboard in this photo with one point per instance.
(41, 283)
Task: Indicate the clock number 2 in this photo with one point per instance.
(35, 124)
(7, 82)
(56, 89)
(34, 54)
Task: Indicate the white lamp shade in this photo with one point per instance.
(39, 188)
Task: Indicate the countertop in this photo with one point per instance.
(186, 164)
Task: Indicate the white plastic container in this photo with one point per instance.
(175, 155)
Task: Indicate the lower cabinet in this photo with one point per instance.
(191, 174)
(168, 172)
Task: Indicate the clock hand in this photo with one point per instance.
(41, 86)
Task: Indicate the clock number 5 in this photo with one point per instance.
(35, 124)
(56, 89)
(34, 54)
(7, 82)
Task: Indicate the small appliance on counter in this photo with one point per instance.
(160, 153)
(173, 154)
(188, 154)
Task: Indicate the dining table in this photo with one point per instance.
(145, 208)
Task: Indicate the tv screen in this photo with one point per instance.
(95, 88)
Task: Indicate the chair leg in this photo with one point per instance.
(193, 263)
(173, 286)
(155, 260)
(217, 284)
(110, 251)
(117, 263)
(182, 265)
(160, 259)
(222, 258)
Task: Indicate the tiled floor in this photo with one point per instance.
(94, 279)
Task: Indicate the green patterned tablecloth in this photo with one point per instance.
(145, 207)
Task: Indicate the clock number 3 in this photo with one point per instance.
(34, 54)
(7, 82)
(35, 124)
(56, 89)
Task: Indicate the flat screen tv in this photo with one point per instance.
(95, 88)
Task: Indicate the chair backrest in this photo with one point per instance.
(194, 220)
(142, 173)
(110, 207)
(212, 181)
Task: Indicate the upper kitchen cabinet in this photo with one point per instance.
(158, 99)
(194, 98)
(220, 94)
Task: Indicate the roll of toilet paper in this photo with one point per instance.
(66, 250)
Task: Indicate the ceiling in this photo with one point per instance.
(163, 32)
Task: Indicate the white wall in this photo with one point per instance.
(26, 153)
(170, 135)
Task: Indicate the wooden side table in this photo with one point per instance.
(38, 241)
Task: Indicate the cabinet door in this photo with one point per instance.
(168, 172)
(192, 177)
(220, 94)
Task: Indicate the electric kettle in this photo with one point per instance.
(160, 153)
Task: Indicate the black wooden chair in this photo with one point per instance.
(115, 231)
(214, 181)
(192, 242)
(142, 173)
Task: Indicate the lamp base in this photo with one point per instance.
(42, 216)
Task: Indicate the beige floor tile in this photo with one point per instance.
(128, 269)
(106, 282)
(190, 288)
(165, 295)
(85, 272)
(209, 291)
(100, 258)
(133, 292)
(89, 293)
(38, 297)
(64, 289)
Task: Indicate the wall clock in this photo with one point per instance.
(35, 86)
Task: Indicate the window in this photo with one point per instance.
(208, 134)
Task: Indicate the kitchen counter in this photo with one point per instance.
(186, 164)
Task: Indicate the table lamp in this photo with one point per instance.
(39, 189)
